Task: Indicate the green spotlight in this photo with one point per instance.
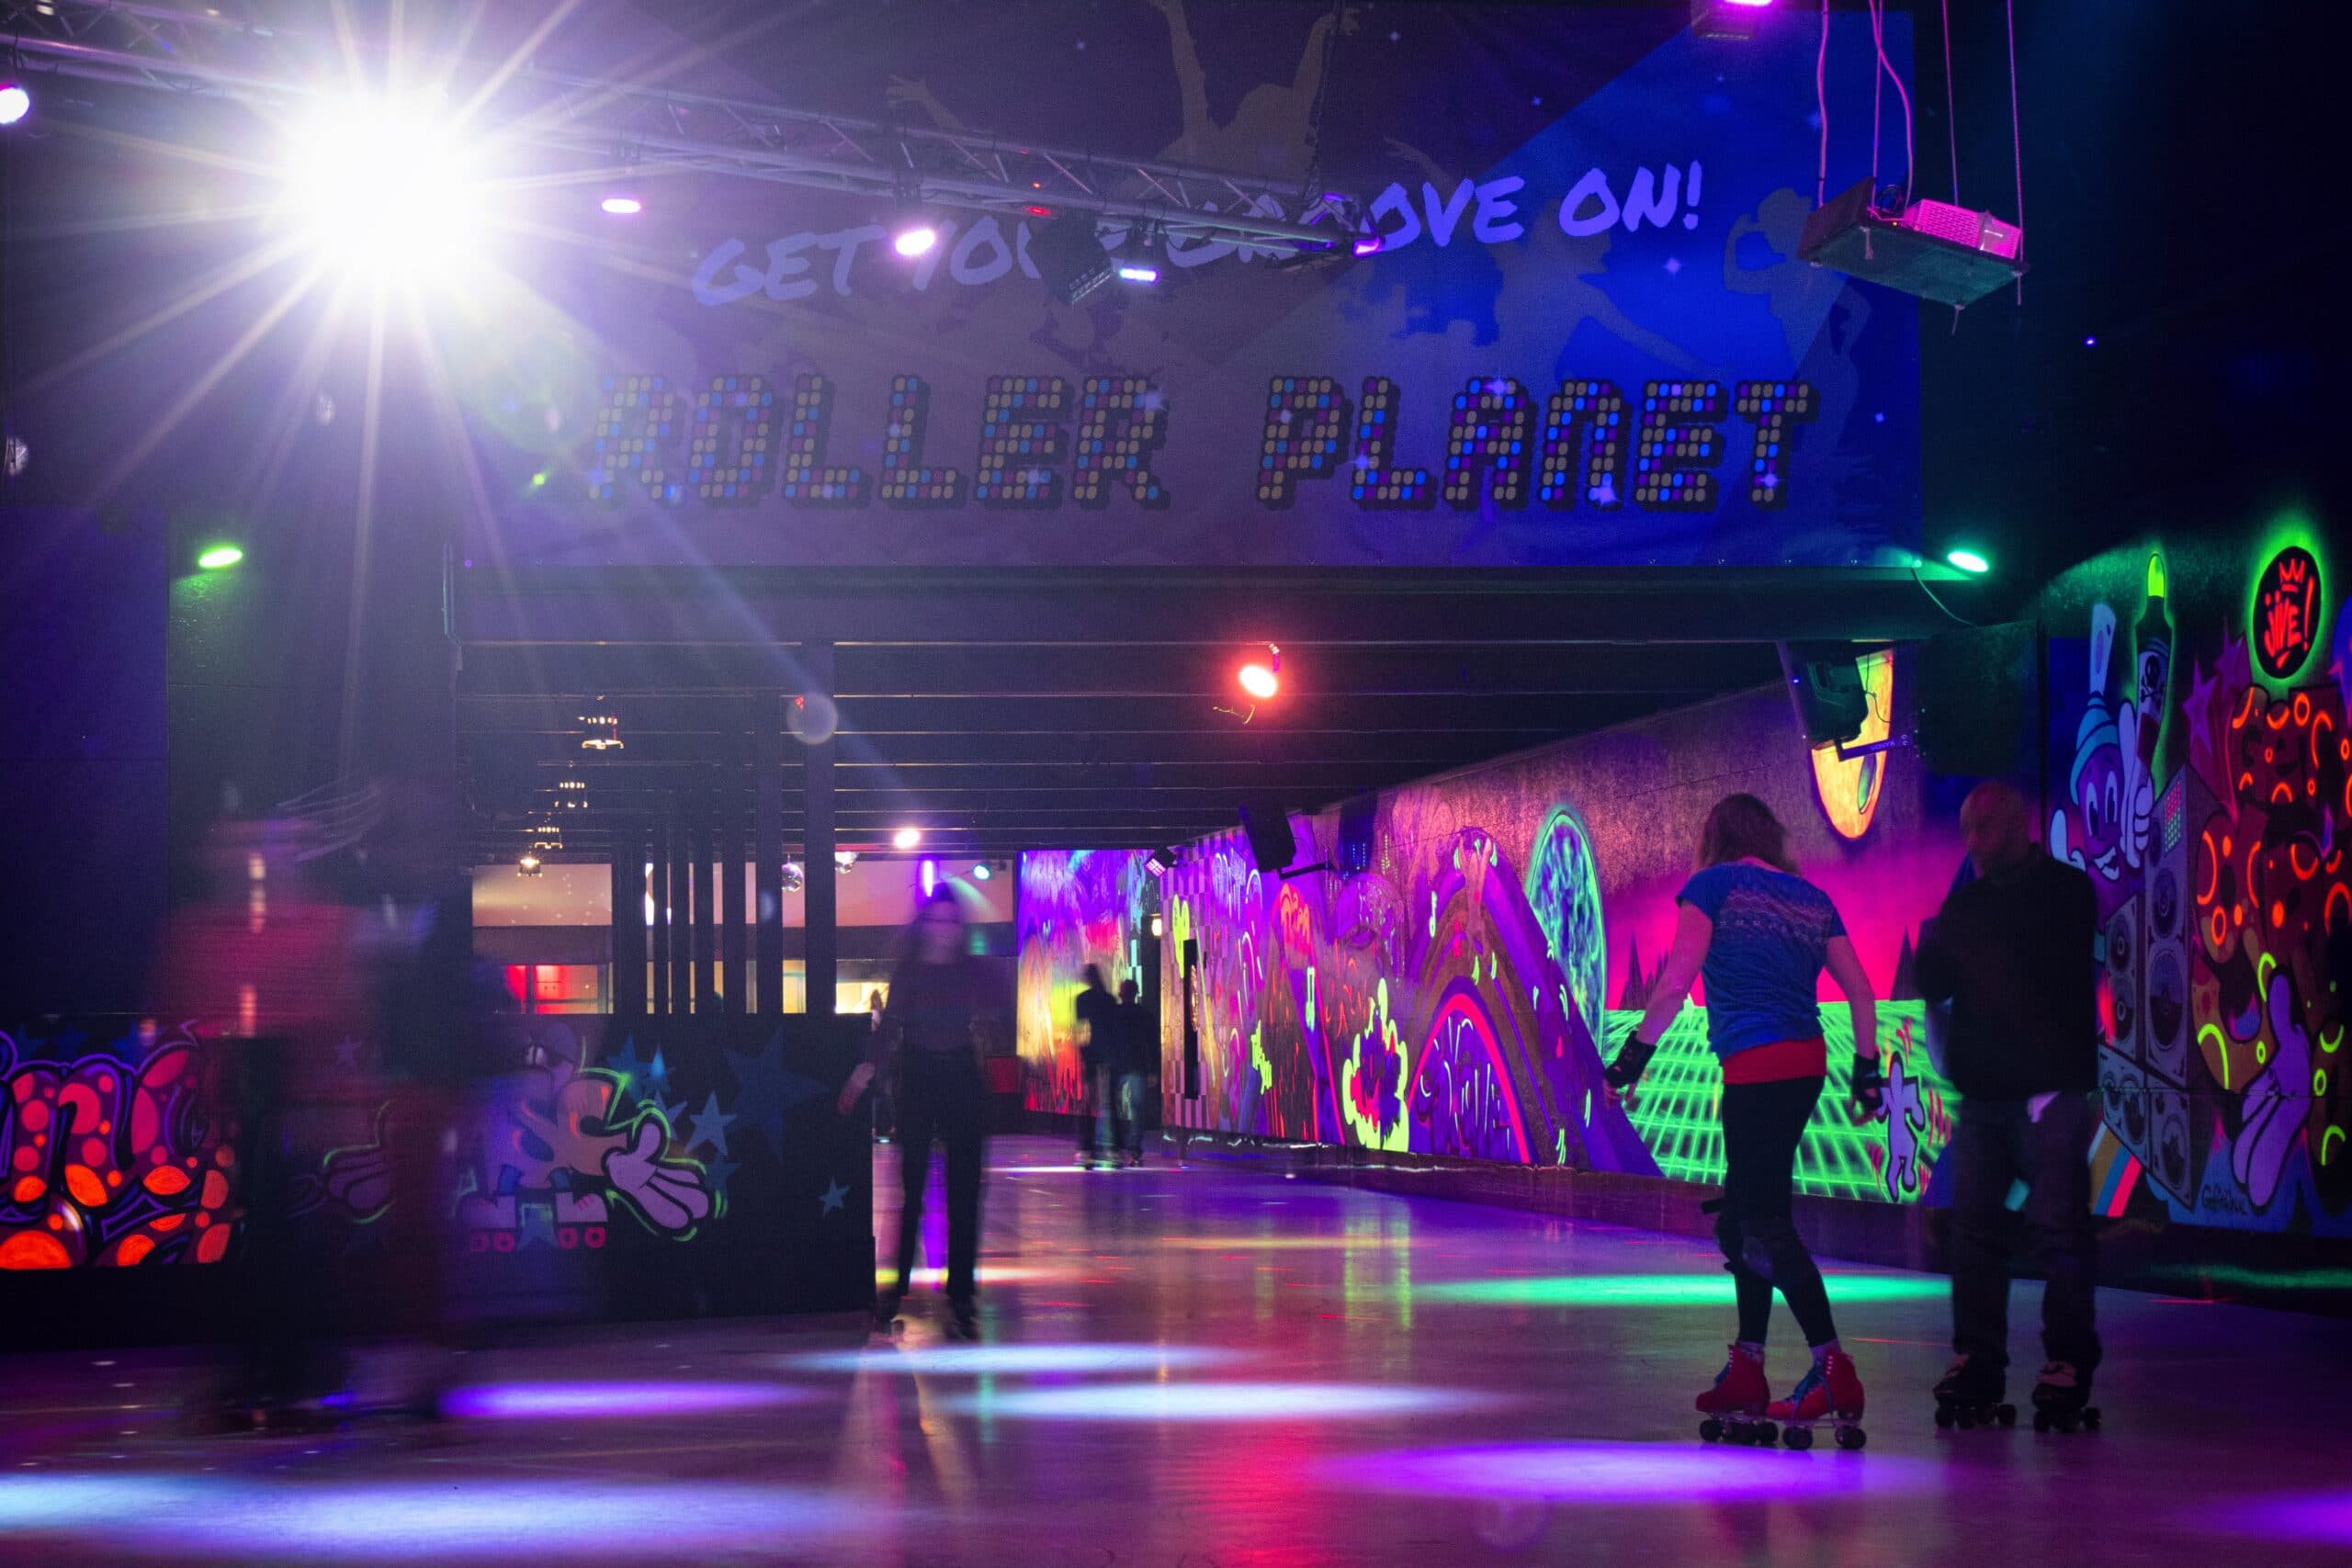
(216, 557)
(1969, 561)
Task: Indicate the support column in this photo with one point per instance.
(628, 926)
(821, 942)
(677, 913)
(658, 887)
(702, 842)
(732, 930)
(767, 852)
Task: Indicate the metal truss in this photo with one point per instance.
(226, 52)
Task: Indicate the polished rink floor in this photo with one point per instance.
(1213, 1367)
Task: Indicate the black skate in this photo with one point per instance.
(2061, 1400)
(963, 1320)
(1967, 1397)
(885, 1323)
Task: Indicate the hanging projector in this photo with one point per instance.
(1954, 255)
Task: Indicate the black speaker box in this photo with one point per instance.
(1273, 845)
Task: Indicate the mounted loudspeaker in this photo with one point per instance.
(1273, 845)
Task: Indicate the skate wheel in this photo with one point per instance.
(2008, 1413)
(1766, 1435)
(1798, 1438)
(2091, 1418)
(2042, 1420)
(1944, 1416)
(1710, 1430)
(1852, 1436)
(1968, 1420)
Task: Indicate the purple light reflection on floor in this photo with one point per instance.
(2320, 1517)
(1215, 1402)
(1623, 1472)
(239, 1521)
(986, 1361)
(611, 1401)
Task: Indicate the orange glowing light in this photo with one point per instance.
(1259, 681)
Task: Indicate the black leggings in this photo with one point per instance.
(1762, 1124)
(942, 1100)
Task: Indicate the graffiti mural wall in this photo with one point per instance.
(1077, 908)
(1460, 995)
(2200, 771)
(118, 1153)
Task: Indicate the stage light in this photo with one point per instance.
(1368, 244)
(382, 186)
(980, 872)
(907, 838)
(1068, 253)
(15, 103)
(1158, 926)
(1133, 272)
(216, 557)
(1260, 680)
(530, 864)
(1725, 18)
(1160, 863)
(1969, 561)
(623, 206)
(929, 877)
(915, 240)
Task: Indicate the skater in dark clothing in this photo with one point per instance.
(942, 1003)
(1096, 1011)
(2012, 953)
(1760, 934)
(1133, 1050)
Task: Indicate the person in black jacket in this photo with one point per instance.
(1096, 1013)
(943, 1005)
(2013, 954)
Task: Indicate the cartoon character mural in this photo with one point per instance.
(114, 1157)
(552, 1151)
(2224, 934)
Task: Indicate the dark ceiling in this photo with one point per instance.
(1005, 711)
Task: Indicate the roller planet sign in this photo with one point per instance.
(1585, 339)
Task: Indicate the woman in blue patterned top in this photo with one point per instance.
(1760, 935)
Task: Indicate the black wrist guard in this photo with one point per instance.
(1632, 1059)
(1870, 1086)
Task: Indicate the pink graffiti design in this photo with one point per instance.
(117, 1158)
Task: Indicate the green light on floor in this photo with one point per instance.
(1664, 1289)
(216, 557)
(1969, 560)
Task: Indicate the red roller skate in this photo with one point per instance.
(1734, 1407)
(1829, 1395)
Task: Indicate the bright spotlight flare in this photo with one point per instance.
(915, 240)
(1262, 679)
(623, 206)
(381, 187)
(15, 103)
(907, 838)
